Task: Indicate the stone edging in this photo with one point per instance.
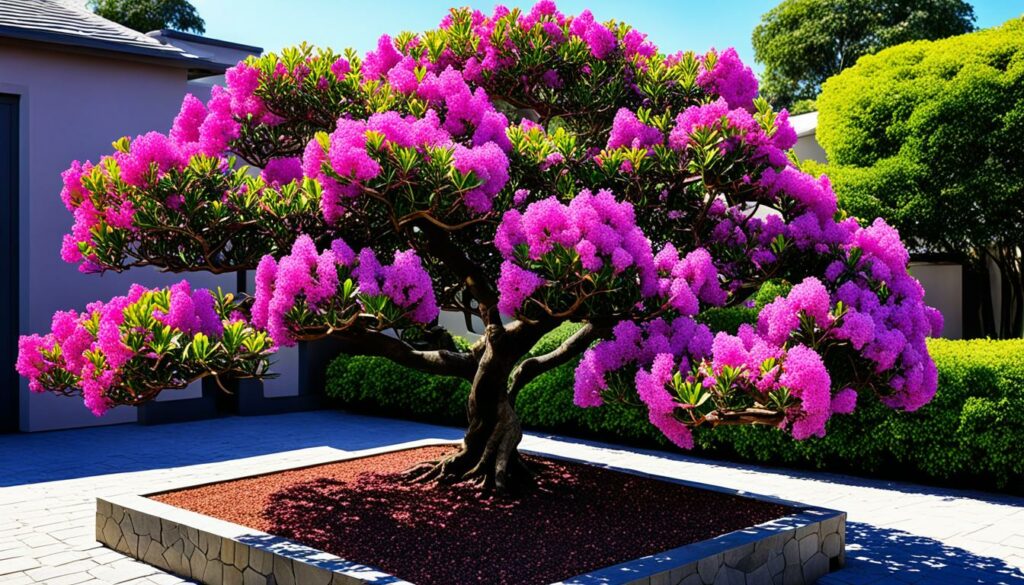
(796, 549)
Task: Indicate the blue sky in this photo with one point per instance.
(672, 25)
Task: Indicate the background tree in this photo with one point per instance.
(149, 15)
(630, 191)
(927, 135)
(804, 42)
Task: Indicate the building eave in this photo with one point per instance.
(79, 44)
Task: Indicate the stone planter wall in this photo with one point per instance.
(797, 549)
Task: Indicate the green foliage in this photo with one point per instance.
(149, 15)
(253, 218)
(804, 42)
(973, 427)
(924, 134)
(927, 136)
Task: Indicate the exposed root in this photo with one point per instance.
(491, 465)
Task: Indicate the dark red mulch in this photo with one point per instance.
(581, 519)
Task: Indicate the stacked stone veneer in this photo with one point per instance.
(794, 550)
(217, 552)
(790, 551)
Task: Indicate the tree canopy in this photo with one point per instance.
(149, 15)
(529, 168)
(804, 42)
(927, 135)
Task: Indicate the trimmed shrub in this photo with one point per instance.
(972, 429)
(927, 136)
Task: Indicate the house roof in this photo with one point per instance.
(60, 22)
(189, 37)
(804, 124)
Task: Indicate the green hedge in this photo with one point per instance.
(972, 430)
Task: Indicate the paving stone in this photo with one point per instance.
(829, 525)
(817, 567)
(52, 510)
(45, 573)
(121, 571)
(760, 576)
(678, 574)
(62, 557)
(792, 552)
(707, 568)
(17, 565)
(227, 551)
(284, 572)
(232, 576)
(808, 547)
(793, 575)
(242, 557)
(730, 576)
(251, 577)
(306, 574)
(831, 546)
(776, 563)
(214, 573)
(73, 579)
(734, 556)
(197, 564)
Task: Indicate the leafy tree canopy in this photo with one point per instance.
(804, 42)
(148, 15)
(526, 168)
(927, 135)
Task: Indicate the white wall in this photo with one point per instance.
(943, 289)
(807, 148)
(73, 107)
(943, 282)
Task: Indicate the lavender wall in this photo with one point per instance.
(72, 107)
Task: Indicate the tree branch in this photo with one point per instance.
(442, 248)
(530, 368)
(440, 362)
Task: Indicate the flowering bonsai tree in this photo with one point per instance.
(525, 168)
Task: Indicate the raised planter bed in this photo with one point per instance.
(593, 513)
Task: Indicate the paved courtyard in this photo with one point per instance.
(896, 532)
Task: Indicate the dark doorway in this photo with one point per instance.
(9, 383)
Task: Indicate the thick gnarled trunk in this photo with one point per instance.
(488, 457)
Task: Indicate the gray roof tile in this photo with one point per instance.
(66, 23)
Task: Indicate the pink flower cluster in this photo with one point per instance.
(739, 129)
(599, 228)
(602, 231)
(601, 41)
(598, 37)
(471, 127)
(464, 110)
(101, 331)
(686, 282)
(653, 350)
(797, 368)
(191, 311)
(729, 79)
(630, 132)
(651, 388)
(283, 170)
(781, 353)
(489, 164)
(312, 276)
(888, 329)
(198, 129)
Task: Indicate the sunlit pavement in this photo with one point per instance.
(896, 532)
